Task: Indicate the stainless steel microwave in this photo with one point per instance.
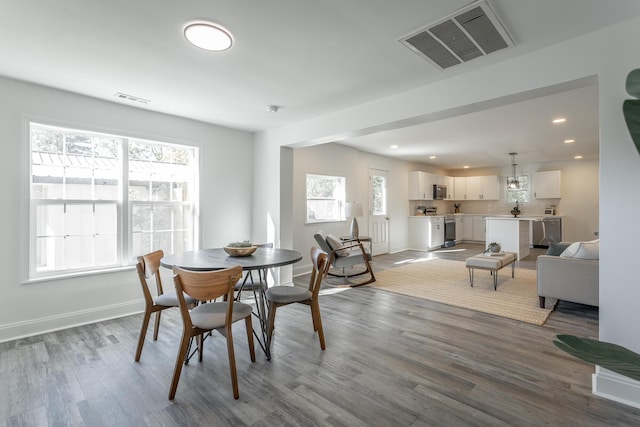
(439, 192)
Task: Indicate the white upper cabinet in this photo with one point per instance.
(420, 186)
(477, 188)
(546, 185)
(460, 188)
(451, 185)
(487, 187)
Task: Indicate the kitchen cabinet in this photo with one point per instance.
(451, 185)
(459, 227)
(477, 187)
(418, 186)
(437, 232)
(426, 232)
(482, 188)
(479, 231)
(546, 185)
(421, 185)
(460, 188)
(464, 227)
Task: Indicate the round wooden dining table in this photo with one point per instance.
(261, 261)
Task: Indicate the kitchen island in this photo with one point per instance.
(511, 233)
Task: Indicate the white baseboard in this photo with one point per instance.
(13, 331)
(612, 386)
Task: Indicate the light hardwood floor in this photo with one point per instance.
(391, 360)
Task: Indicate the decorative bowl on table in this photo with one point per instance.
(240, 250)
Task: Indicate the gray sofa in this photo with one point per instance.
(568, 279)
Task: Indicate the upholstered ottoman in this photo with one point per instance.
(492, 263)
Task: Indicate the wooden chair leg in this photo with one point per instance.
(143, 333)
(249, 327)
(232, 363)
(317, 320)
(182, 355)
(156, 327)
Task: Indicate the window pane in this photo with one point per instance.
(325, 198)
(78, 220)
(141, 243)
(520, 195)
(379, 196)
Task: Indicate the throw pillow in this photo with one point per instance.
(555, 249)
(582, 250)
(335, 244)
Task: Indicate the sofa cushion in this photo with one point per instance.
(555, 249)
(582, 250)
(335, 244)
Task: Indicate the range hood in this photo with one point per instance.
(466, 34)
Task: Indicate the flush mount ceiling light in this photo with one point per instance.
(512, 181)
(208, 36)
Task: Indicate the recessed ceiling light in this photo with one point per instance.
(577, 157)
(559, 120)
(208, 36)
(466, 166)
(569, 141)
(432, 157)
(394, 146)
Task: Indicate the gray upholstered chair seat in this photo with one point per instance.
(353, 258)
(288, 294)
(170, 299)
(212, 315)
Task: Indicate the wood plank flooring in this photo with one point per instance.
(391, 360)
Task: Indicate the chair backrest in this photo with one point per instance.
(320, 268)
(149, 265)
(321, 238)
(205, 286)
(264, 245)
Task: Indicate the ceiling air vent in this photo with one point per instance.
(466, 34)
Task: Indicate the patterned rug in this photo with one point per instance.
(447, 282)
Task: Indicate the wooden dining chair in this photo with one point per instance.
(209, 316)
(279, 296)
(148, 266)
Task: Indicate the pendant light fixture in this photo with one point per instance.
(512, 181)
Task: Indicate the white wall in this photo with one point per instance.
(607, 54)
(340, 160)
(225, 210)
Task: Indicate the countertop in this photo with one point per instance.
(524, 217)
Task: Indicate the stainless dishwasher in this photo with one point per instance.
(546, 230)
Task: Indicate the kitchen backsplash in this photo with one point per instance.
(496, 207)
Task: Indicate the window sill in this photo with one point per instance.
(78, 274)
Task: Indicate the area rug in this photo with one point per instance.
(447, 282)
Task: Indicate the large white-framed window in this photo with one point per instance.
(99, 200)
(325, 198)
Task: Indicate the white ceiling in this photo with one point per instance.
(310, 57)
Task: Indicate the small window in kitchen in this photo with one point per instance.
(521, 194)
(325, 198)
